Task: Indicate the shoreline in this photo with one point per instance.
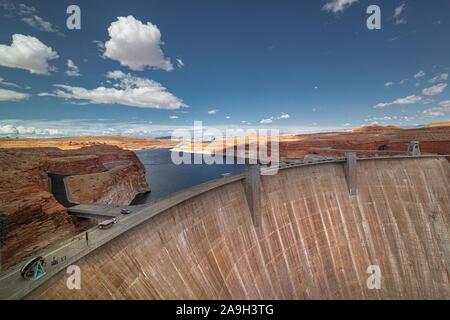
(149, 148)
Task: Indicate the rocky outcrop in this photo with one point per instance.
(120, 185)
(366, 141)
(80, 164)
(376, 128)
(31, 219)
(31, 223)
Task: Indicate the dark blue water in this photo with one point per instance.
(165, 178)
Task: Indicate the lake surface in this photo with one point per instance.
(165, 177)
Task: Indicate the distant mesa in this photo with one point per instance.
(376, 128)
(71, 143)
(438, 124)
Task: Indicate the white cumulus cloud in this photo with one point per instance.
(136, 45)
(27, 52)
(10, 95)
(39, 23)
(419, 74)
(407, 100)
(73, 70)
(338, 5)
(24, 10)
(180, 63)
(9, 84)
(442, 109)
(397, 14)
(271, 119)
(8, 129)
(434, 90)
(428, 101)
(129, 91)
(116, 74)
(27, 14)
(100, 45)
(388, 84)
(441, 77)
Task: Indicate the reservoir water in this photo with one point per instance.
(165, 177)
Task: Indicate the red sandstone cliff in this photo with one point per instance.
(433, 139)
(119, 185)
(30, 217)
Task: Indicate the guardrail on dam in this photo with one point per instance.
(314, 239)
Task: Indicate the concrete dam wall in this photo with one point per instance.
(315, 240)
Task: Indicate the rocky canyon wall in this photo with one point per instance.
(117, 186)
(31, 219)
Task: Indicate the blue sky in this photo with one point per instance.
(297, 65)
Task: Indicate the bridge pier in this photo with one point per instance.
(252, 192)
(350, 172)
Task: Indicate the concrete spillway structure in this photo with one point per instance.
(314, 240)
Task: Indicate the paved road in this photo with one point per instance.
(12, 286)
(98, 211)
(59, 188)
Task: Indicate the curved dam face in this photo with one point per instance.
(315, 240)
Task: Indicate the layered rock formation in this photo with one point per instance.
(120, 185)
(433, 138)
(72, 143)
(31, 219)
(367, 140)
